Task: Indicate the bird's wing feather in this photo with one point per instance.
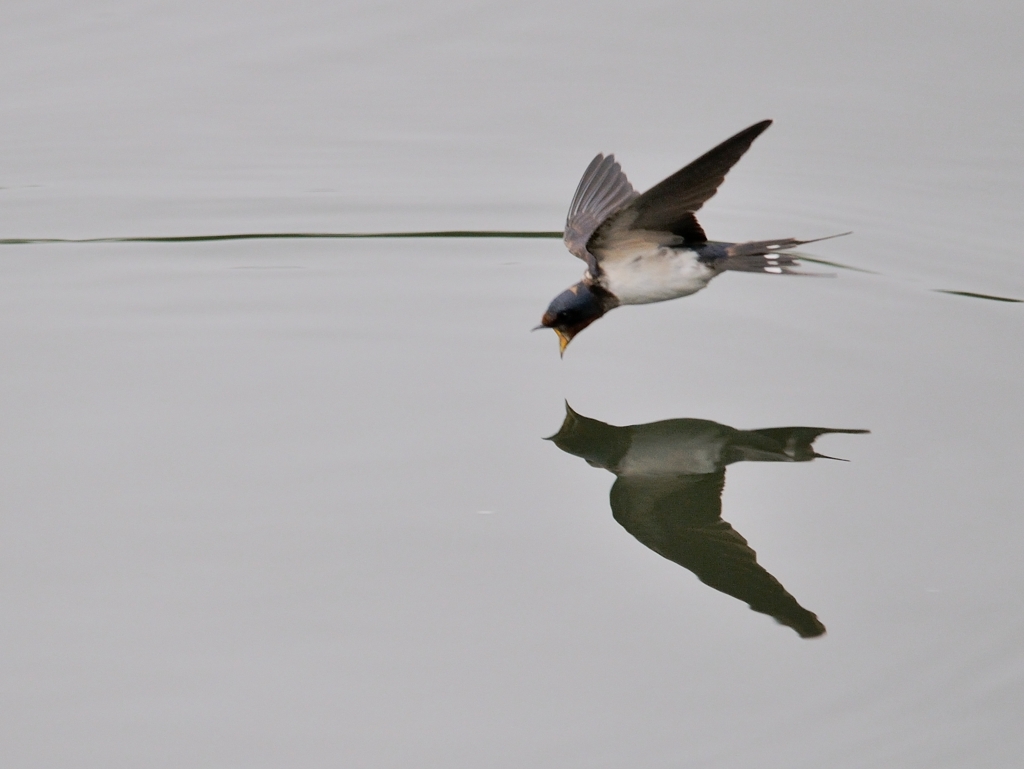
(670, 205)
(680, 519)
(603, 190)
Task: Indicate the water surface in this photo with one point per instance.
(288, 502)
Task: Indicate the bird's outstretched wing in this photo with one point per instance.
(670, 205)
(602, 191)
(680, 518)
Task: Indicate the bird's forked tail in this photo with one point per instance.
(768, 256)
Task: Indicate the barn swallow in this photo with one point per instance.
(668, 494)
(649, 248)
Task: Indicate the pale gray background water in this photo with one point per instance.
(242, 481)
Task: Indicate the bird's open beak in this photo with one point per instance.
(563, 341)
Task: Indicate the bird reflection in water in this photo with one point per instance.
(668, 494)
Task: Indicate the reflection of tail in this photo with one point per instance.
(797, 443)
(767, 256)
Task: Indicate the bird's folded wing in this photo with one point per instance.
(680, 519)
(602, 191)
(669, 206)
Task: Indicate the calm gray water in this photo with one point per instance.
(287, 503)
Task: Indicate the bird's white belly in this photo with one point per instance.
(654, 274)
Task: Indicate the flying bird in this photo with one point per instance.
(669, 478)
(649, 248)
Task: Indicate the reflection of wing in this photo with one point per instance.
(602, 191)
(670, 205)
(680, 519)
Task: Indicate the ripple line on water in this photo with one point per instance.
(523, 234)
(973, 295)
(292, 236)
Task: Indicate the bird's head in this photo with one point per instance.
(573, 310)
